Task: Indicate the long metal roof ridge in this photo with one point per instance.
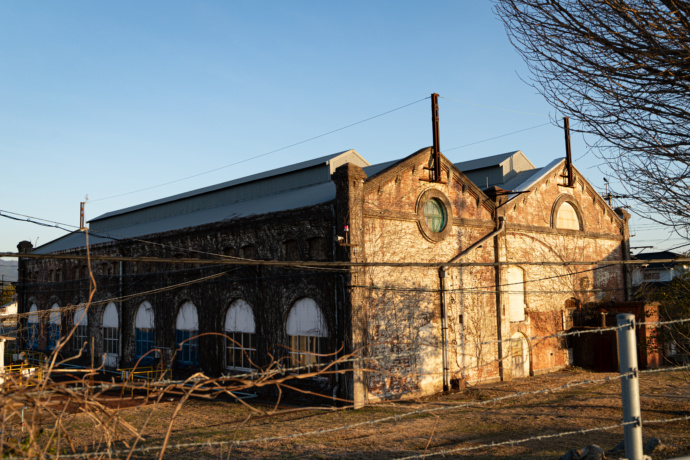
(242, 180)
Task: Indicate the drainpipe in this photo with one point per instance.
(444, 311)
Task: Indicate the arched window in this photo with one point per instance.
(32, 328)
(144, 333)
(54, 326)
(240, 327)
(111, 335)
(307, 334)
(186, 330)
(81, 323)
(567, 218)
(516, 293)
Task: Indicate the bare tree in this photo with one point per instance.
(622, 69)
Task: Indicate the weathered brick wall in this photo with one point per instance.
(403, 304)
(404, 312)
(531, 236)
(271, 291)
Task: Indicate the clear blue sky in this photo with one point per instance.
(105, 98)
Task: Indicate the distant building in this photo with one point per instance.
(416, 328)
(8, 319)
(657, 274)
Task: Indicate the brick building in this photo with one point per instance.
(417, 329)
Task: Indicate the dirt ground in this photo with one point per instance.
(423, 428)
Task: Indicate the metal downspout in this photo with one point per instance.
(444, 328)
(444, 311)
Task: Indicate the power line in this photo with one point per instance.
(495, 108)
(496, 137)
(339, 264)
(267, 153)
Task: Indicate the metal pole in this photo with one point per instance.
(569, 182)
(437, 142)
(630, 386)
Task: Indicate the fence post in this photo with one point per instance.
(630, 386)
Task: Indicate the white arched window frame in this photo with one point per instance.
(516, 293)
(240, 340)
(307, 335)
(186, 330)
(144, 333)
(111, 334)
(54, 326)
(81, 328)
(32, 328)
(567, 218)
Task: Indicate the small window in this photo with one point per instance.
(54, 327)
(229, 251)
(567, 218)
(435, 215)
(81, 333)
(111, 335)
(32, 328)
(240, 341)
(516, 293)
(144, 333)
(317, 248)
(307, 335)
(291, 250)
(248, 252)
(651, 276)
(186, 330)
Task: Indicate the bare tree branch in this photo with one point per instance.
(622, 69)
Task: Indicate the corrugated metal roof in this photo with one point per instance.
(486, 162)
(377, 168)
(519, 179)
(332, 161)
(293, 199)
(537, 176)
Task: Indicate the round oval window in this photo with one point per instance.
(435, 215)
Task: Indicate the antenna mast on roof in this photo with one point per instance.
(568, 176)
(81, 215)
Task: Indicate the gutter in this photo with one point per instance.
(444, 311)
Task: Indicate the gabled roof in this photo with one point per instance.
(379, 171)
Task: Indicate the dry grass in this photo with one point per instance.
(664, 396)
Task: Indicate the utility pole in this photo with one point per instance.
(81, 215)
